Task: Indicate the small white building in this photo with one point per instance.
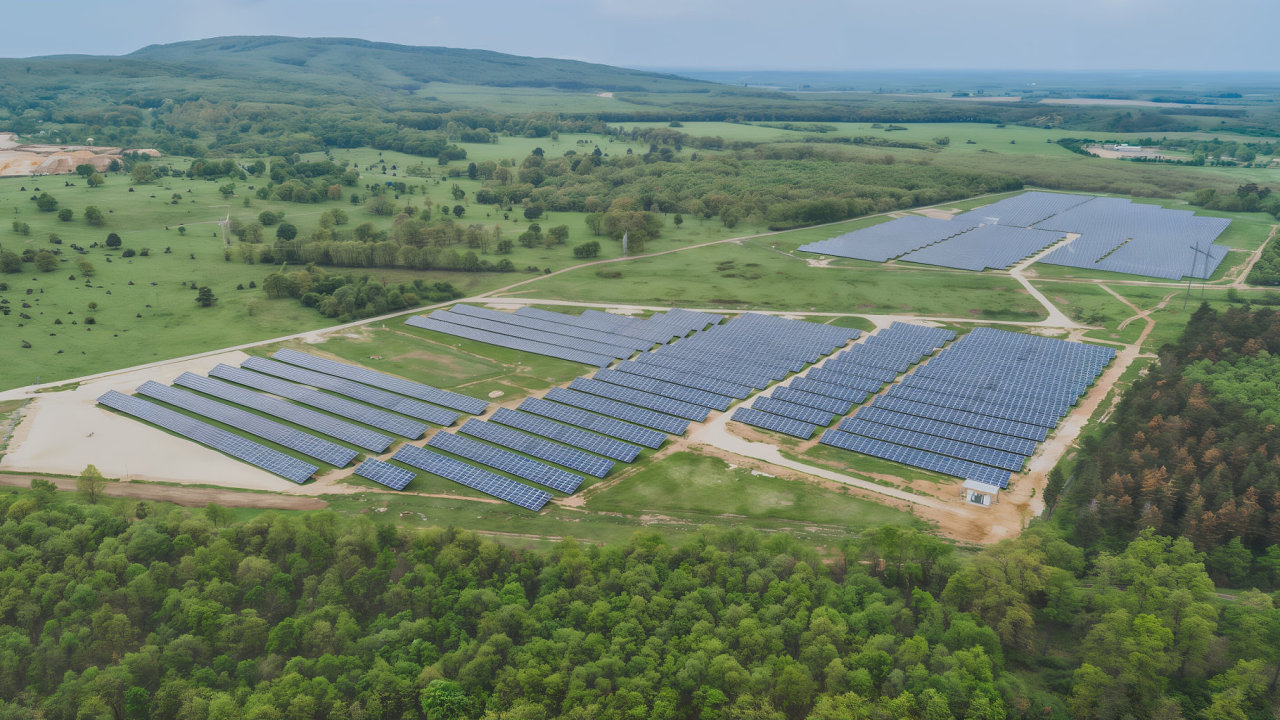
(979, 493)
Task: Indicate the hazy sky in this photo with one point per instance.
(713, 34)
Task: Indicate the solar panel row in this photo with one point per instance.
(666, 389)
(851, 395)
(802, 413)
(533, 323)
(639, 398)
(529, 334)
(934, 443)
(622, 432)
(354, 390)
(687, 379)
(506, 341)
(273, 461)
(777, 423)
(816, 401)
(621, 411)
(473, 477)
(338, 406)
(445, 398)
(310, 445)
(539, 447)
(318, 421)
(384, 473)
(507, 461)
(916, 458)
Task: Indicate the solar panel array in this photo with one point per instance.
(888, 240)
(1023, 210)
(445, 398)
(672, 390)
(542, 448)
(687, 379)
(984, 247)
(273, 461)
(777, 423)
(354, 390)
(1116, 235)
(317, 421)
(593, 338)
(619, 410)
(329, 403)
(791, 410)
(639, 398)
(473, 477)
(384, 473)
(623, 431)
(248, 422)
(1121, 236)
(850, 375)
(813, 400)
(507, 461)
(983, 402)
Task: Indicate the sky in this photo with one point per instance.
(1223, 35)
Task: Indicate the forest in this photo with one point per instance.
(132, 610)
(1192, 452)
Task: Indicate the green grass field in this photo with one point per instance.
(745, 277)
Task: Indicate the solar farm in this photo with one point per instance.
(973, 407)
(1096, 233)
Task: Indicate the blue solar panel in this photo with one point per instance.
(445, 398)
(473, 477)
(777, 423)
(507, 461)
(538, 447)
(622, 437)
(933, 443)
(387, 474)
(808, 399)
(666, 389)
(338, 406)
(621, 411)
(515, 331)
(507, 341)
(879, 243)
(650, 401)
(700, 382)
(963, 433)
(273, 461)
(961, 417)
(840, 392)
(796, 412)
(333, 427)
(916, 458)
(835, 377)
(318, 448)
(356, 391)
(532, 323)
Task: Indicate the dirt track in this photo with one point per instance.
(189, 496)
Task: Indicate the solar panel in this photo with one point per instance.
(338, 406)
(610, 447)
(650, 401)
(354, 390)
(784, 425)
(473, 477)
(933, 443)
(507, 461)
(600, 336)
(839, 392)
(774, 406)
(998, 441)
(538, 447)
(315, 447)
(818, 402)
(445, 398)
(507, 341)
(666, 389)
(392, 476)
(879, 243)
(830, 376)
(916, 458)
(700, 382)
(618, 410)
(273, 461)
(502, 328)
(333, 427)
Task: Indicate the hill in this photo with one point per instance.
(303, 71)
